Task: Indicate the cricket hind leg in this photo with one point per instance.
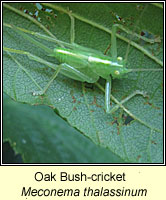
(70, 72)
(83, 74)
(43, 91)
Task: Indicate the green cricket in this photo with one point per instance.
(81, 63)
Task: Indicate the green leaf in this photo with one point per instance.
(134, 131)
(40, 136)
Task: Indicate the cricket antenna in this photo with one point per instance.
(128, 46)
(144, 70)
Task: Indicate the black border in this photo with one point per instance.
(83, 164)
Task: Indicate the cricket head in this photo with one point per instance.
(119, 69)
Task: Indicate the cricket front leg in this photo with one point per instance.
(137, 92)
(108, 94)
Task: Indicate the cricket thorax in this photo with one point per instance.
(92, 59)
(105, 66)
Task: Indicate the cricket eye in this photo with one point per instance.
(117, 72)
(119, 58)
